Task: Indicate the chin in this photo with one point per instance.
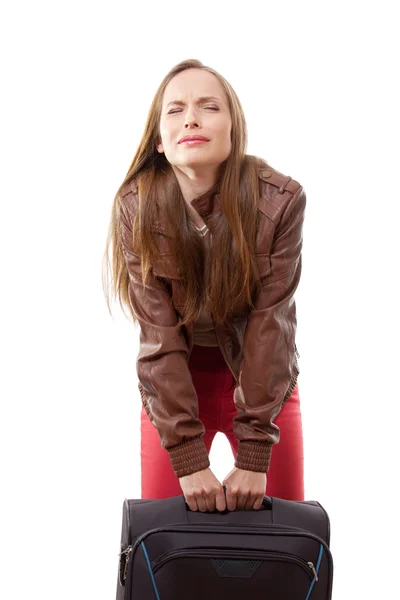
(203, 161)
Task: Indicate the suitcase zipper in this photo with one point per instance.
(270, 530)
(190, 527)
(227, 553)
(127, 553)
(312, 567)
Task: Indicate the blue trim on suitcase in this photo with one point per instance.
(321, 550)
(150, 570)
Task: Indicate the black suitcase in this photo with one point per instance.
(279, 552)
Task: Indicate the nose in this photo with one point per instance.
(191, 123)
(191, 119)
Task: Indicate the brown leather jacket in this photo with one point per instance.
(258, 347)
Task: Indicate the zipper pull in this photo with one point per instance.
(311, 565)
(127, 551)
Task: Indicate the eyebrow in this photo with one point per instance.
(200, 99)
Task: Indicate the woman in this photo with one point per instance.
(206, 254)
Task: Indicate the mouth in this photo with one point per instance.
(193, 140)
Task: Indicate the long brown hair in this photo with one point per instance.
(227, 280)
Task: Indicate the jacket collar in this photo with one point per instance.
(206, 203)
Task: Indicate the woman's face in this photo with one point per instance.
(195, 104)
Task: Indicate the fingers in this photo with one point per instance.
(231, 499)
(191, 502)
(245, 489)
(220, 500)
(251, 498)
(196, 501)
(237, 500)
(207, 501)
(216, 500)
(243, 501)
(212, 500)
(201, 503)
(258, 502)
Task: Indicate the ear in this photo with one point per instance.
(160, 148)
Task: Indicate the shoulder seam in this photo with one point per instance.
(128, 188)
(273, 177)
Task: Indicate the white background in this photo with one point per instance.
(318, 85)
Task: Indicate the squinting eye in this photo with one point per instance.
(176, 110)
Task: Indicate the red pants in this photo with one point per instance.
(215, 384)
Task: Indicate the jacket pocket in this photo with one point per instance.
(167, 269)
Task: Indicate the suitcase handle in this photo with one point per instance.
(266, 504)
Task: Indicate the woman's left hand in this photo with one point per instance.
(245, 490)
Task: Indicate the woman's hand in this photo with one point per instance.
(245, 490)
(203, 491)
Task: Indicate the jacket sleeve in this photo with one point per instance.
(268, 371)
(165, 382)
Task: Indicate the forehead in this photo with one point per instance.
(193, 83)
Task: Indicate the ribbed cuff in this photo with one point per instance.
(189, 457)
(254, 455)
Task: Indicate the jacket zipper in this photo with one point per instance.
(280, 530)
(227, 553)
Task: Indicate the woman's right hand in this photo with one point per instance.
(203, 491)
